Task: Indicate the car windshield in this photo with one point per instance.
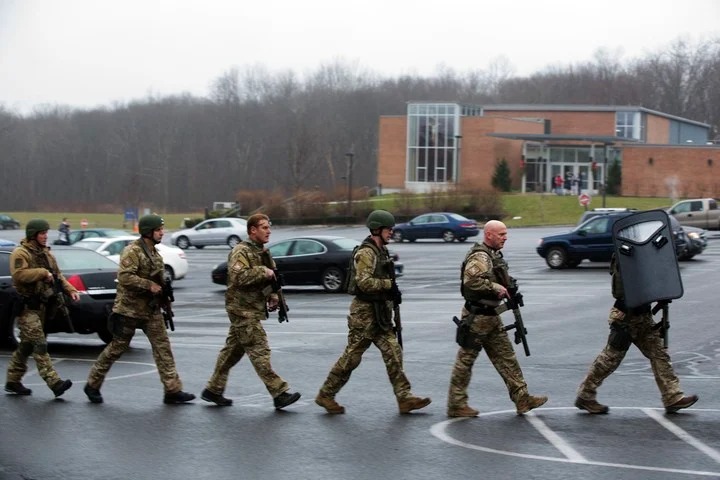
(79, 259)
(89, 244)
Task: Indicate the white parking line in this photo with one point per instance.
(682, 434)
(555, 439)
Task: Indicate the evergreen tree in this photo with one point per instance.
(501, 178)
(614, 178)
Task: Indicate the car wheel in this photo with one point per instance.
(199, 247)
(233, 241)
(556, 257)
(448, 236)
(461, 239)
(183, 242)
(398, 236)
(169, 275)
(573, 263)
(332, 279)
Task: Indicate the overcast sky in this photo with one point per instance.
(85, 53)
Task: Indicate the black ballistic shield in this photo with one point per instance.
(645, 252)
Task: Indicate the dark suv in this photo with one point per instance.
(592, 240)
(8, 223)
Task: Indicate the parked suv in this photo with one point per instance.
(592, 240)
(8, 223)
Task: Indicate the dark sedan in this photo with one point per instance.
(77, 235)
(93, 275)
(448, 226)
(313, 260)
(696, 242)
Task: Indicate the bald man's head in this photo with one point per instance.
(495, 234)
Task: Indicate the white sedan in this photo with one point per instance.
(176, 264)
(215, 231)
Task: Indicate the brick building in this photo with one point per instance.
(439, 144)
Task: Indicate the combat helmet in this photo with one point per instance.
(35, 226)
(149, 223)
(380, 219)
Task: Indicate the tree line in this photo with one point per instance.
(277, 132)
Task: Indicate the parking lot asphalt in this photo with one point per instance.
(134, 435)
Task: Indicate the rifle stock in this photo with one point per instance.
(59, 293)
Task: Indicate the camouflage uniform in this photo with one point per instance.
(484, 270)
(137, 308)
(369, 323)
(29, 266)
(635, 327)
(246, 301)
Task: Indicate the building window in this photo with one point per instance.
(432, 142)
(630, 125)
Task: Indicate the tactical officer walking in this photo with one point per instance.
(249, 297)
(138, 305)
(484, 283)
(370, 319)
(35, 275)
(631, 326)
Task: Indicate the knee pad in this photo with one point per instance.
(40, 348)
(620, 338)
(25, 348)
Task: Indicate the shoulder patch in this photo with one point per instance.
(127, 261)
(18, 262)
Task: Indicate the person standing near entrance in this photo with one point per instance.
(484, 283)
(34, 273)
(138, 304)
(558, 182)
(248, 299)
(370, 319)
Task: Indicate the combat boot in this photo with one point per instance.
(60, 387)
(591, 406)
(17, 388)
(684, 402)
(178, 397)
(285, 399)
(408, 404)
(216, 398)
(464, 411)
(329, 404)
(93, 394)
(529, 402)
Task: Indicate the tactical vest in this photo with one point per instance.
(384, 268)
(498, 274)
(38, 259)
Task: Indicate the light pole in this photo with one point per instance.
(350, 155)
(458, 139)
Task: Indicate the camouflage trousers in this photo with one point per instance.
(32, 342)
(363, 332)
(637, 330)
(489, 334)
(246, 336)
(154, 329)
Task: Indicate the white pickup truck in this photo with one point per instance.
(697, 212)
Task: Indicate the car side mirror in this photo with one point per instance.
(105, 252)
(582, 232)
(411, 223)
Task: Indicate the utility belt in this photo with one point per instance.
(373, 297)
(33, 302)
(480, 308)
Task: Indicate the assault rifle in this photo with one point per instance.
(514, 302)
(663, 324)
(397, 300)
(167, 298)
(59, 299)
(277, 285)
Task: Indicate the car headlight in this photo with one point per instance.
(694, 235)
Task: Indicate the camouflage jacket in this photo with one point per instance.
(482, 273)
(248, 289)
(29, 266)
(136, 275)
(372, 276)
